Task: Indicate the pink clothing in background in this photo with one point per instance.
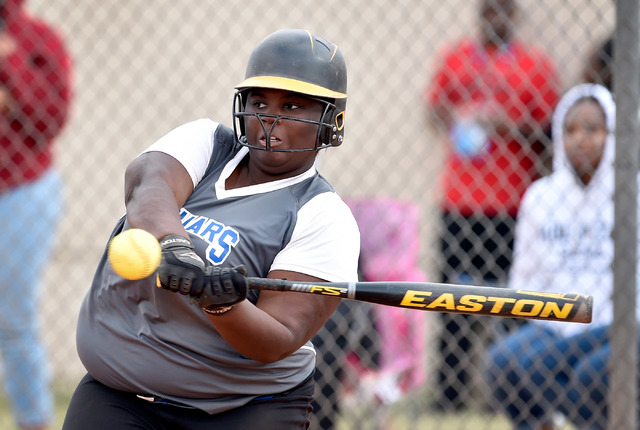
(390, 249)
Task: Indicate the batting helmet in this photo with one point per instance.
(298, 61)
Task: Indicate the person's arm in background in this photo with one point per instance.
(36, 84)
(439, 97)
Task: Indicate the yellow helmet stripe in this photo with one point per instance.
(333, 54)
(280, 83)
(310, 39)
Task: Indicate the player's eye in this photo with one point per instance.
(292, 106)
(257, 105)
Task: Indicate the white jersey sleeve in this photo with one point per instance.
(325, 241)
(191, 144)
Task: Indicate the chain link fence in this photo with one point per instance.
(143, 68)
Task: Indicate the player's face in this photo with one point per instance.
(584, 134)
(277, 126)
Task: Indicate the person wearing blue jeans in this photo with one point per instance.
(564, 237)
(534, 365)
(35, 100)
(30, 214)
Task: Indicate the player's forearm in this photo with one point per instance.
(255, 334)
(153, 208)
(151, 202)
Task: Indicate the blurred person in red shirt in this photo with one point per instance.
(492, 97)
(35, 92)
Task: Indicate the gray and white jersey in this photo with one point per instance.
(136, 337)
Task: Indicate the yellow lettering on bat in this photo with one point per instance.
(534, 307)
(477, 303)
(499, 303)
(328, 291)
(548, 295)
(413, 298)
(551, 307)
(469, 302)
(445, 300)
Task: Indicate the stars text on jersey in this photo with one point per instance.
(221, 238)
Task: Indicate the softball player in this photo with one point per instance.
(248, 201)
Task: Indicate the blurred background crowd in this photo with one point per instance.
(450, 118)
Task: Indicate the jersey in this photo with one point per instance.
(136, 337)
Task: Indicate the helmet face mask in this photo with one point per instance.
(327, 131)
(299, 62)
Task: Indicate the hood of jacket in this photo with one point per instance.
(561, 162)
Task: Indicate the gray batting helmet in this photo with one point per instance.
(298, 61)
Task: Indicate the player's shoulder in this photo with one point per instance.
(192, 133)
(203, 124)
(210, 130)
(328, 209)
(329, 201)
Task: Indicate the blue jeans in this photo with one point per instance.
(534, 372)
(29, 214)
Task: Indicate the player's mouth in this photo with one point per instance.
(273, 143)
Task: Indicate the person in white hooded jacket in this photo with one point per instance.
(563, 243)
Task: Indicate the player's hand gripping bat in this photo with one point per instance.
(436, 297)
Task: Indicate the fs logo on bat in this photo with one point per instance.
(470, 303)
(327, 291)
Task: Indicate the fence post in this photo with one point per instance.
(622, 398)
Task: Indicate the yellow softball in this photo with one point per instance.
(134, 254)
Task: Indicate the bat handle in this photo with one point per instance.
(267, 284)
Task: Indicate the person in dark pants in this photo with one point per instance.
(491, 99)
(204, 351)
(497, 240)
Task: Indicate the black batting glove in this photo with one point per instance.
(223, 287)
(181, 270)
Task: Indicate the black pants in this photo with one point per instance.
(476, 250)
(98, 407)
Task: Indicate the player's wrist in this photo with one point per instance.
(223, 287)
(174, 240)
(221, 310)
